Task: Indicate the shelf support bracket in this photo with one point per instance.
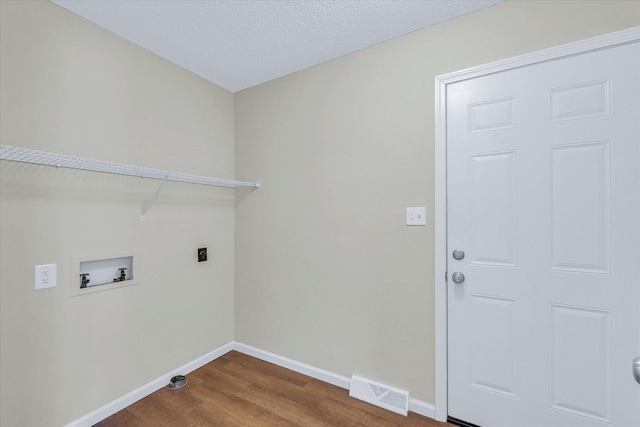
(146, 208)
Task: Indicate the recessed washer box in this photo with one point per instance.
(102, 272)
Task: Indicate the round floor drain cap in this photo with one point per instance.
(178, 381)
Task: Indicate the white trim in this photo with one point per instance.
(422, 408)
(418, 406)
(294, 365)
(105, 411)
(606, 41)
(440, 252)
(130, 398)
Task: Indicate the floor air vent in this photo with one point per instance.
(380, 395)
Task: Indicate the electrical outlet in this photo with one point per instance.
(46, 276)
(202, 254)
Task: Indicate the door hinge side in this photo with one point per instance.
(446, 276)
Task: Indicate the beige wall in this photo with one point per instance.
(326, 271)
(70, 87)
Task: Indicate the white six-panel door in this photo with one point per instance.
(543, 197)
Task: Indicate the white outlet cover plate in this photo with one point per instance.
(45, 276)
(417, 216)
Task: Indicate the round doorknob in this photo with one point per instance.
(458, 254)
(457, 277)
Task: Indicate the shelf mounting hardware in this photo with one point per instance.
(146, 208)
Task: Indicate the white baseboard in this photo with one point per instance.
(294, 365)
(418, 406)
(105, 411)
(422, 408)
(143, 391)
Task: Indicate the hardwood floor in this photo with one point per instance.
(239, 390)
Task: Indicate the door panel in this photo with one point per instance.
(543, 195)
(579, 101)
(493, 364)
(580, 206)
(492, 197)
(584, 331)
(492, 115)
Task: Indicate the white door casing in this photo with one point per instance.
(542, 175)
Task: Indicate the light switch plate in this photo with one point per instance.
(45, 276)
(417, 216)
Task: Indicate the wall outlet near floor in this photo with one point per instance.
(417, 216)
(46, 276)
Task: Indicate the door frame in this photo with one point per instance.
(606, 41)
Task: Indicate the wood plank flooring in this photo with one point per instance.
(239, 390)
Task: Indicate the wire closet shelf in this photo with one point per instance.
(25, 155)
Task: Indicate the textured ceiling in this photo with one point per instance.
(239, 43)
